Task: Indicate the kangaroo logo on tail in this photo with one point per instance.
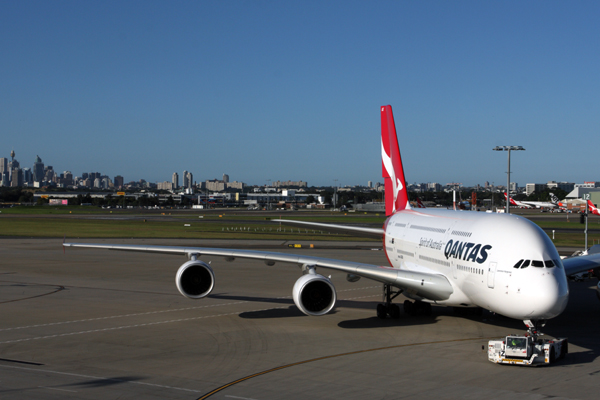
(593, 209)
(396, 196)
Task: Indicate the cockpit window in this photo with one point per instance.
(549, 263)
(525, 264)
(537, 263)
(518, 264)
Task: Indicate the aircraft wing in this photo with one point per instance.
(376, 233)
(574, 265)
(428, 286)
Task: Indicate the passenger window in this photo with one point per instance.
(549, 264)
(537, 263)
(525, 264)
(518, 264)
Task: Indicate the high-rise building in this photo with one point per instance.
(164, 185)
(225, 178)
(215, 185)
(67, 178)
(16, 177)
(106, 183)
(185, 179)
(49, 173)
(14, 164)
(38, 170)
(118, 181)
(189, 178)
(3, 165)
(175, 180)
(27, 177)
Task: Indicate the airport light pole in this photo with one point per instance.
(508, 148)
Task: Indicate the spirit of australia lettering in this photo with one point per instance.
(432, 244)
(467, 251)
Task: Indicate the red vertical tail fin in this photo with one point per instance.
(512, 201)
(396, 196)
(592, 208)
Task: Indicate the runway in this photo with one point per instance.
(90, 324)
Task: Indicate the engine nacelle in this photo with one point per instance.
(195, 279)
(314, 294)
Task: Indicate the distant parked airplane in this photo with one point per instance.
(535, 204)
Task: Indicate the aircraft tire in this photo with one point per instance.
(410, 308)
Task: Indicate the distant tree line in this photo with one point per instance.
(15, 195)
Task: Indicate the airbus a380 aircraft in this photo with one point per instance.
(503, 263)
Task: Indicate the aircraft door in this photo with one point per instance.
(491, 274)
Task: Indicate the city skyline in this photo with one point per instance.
(39, 168)
(293, 90)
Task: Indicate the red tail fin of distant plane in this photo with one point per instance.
(512, 201)
(420, 203)
(396, 196)
(593, 209)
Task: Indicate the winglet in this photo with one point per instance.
(396, 195)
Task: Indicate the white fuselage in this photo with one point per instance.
(477, 253)
(538, 204)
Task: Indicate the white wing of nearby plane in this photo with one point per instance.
(574, 265)
(503, 263)
(356, 230)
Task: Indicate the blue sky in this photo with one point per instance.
(291, 90)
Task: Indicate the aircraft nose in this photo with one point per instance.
(551, 294)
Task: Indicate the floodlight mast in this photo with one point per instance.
(508, 148)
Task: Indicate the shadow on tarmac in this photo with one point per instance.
(580, 322)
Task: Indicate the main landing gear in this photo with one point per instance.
(383, 310)
(393, 310)
(417, 308)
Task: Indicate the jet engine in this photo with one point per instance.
(195, 279)
(314, 294)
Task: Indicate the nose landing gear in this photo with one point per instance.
(533, 327)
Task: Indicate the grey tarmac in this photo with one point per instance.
(97, 324)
